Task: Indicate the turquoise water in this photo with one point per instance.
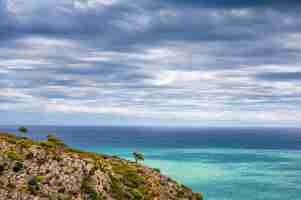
(223, 164)
(222, 174)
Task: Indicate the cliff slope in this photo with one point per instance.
(42, 170)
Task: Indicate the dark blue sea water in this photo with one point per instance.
(222, 163)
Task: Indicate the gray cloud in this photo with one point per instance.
(280, 76)
(198, 61)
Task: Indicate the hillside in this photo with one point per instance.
(42, 170)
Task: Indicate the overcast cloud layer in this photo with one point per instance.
(159, 62)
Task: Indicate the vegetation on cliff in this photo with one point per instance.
(51, 170)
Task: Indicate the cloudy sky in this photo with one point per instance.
(150, 62)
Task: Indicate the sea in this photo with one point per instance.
(222, 163)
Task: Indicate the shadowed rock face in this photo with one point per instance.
(49, 170)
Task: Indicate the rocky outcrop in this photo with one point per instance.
(49, 170)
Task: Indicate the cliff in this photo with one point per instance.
(42, 170)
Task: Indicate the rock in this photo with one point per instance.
(53, 173)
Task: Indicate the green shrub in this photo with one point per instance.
(11, 140)
(99, 165)
(33, 189)
(157, 170)
(86, 185)
(116, 187)
(24, 143)
(135, 179)
(95, 196)
(56, 141)
(18, 167)
(57, 158)
(39, 179)
(33, 184)
(13, 155)
(52, 142)
(130, 176)
(36, 180)
(137, 195)
(47, 144)
(88, 189)
(198, 196)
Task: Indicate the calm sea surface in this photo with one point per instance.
(222, 163)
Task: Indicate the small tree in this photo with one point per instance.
(23, 131)
(138, 156)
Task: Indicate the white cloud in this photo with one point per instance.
(181, 77)
(21, 63)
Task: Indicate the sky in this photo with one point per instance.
(150, 62)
